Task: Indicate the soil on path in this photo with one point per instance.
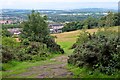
(50, 70)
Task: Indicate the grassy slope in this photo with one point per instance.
(66, 40)
(14, 67)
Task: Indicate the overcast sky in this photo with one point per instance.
(58, 4)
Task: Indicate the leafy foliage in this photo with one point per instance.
(35, 44)
(6, 33)
(10, 42)
(9, 48)
(28, 52)
(7, 26)
(112, 19)
(7, 54)
(100, 51)
(36, 29)
(52, 46)
(12, 50)
(72, 26)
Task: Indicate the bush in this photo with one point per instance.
(9, 48)
(6, 33)
(101, 51)
(26, 42)
(28, 52)
(52, 46)
(10, 42)
(7, 54)
(82, 39)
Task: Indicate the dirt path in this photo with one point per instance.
(50, 70)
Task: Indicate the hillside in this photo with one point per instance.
(55, 66)
(67, 39)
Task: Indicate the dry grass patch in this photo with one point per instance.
(67, 36)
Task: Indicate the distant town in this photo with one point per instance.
(56, 18)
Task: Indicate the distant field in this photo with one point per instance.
(71, 36)
(67, 39)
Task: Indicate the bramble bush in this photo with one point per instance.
(52, 45)
(8, 49)
(29, 52)
(12, 50)
(100, 51)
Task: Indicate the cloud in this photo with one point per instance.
(40, 1)
(36, 4)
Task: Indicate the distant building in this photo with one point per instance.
(55, 28)
(2, 22)
(15, 31)
(6, 22)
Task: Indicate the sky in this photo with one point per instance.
(58, 4)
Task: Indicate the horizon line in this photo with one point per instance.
(58, 9)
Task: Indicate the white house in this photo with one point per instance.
(55, 28)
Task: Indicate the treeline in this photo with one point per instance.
(70, 18)
(7, 26)
(112, 19)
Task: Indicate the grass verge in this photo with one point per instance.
(84, 72)
(16, 67)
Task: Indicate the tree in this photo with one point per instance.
(70, 26)
(117, 19)
(6, 33)
(101, 22)
(110, 19)
(36, 28)
(90, 22)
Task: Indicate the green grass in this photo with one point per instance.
(65, 40)
(66, 46)
(22, 67)
(84, 72)
(15, 67)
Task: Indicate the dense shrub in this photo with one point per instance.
(10, 42)
(52, 46)
(101, 51)
(83, 38)
(28, 52)
(9, 49)
(26, 42)
(7, 54)
(6, 33)
(25, 50)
